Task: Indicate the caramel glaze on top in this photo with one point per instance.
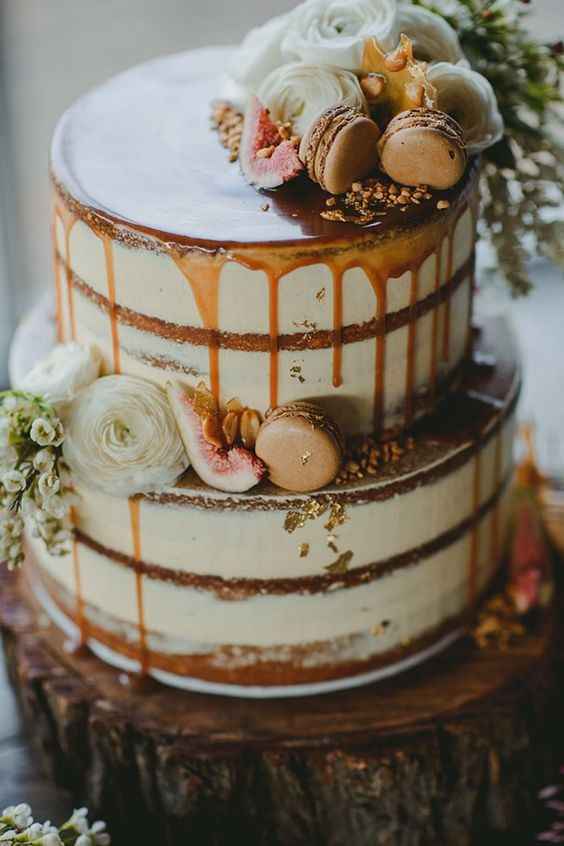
(140, 150)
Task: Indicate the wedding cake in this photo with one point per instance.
(273, 455)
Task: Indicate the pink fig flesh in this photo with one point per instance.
(233, 470)
(260, 133)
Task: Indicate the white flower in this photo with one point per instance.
(42, 432)
(94, 836)
(44, 460)
(434, 40)
(67, 370)
(4, 431)
(122, 437)
(258, 54)
(55, 506)
(48, 484)
(20, 816)
(298, 93)
(51, 839)
(470, 99)
(14, 481)
(333, 32)
(452, 9)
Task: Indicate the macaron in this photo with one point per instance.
(301, 446)
(339, 148)
(423, 147)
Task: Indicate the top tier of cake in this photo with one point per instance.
(170, 262)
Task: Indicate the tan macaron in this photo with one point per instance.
(339, 148)
(301, 446)
(423, 147)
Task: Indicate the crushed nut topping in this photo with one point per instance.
(228, 122)
(365, 456)
(368, 200)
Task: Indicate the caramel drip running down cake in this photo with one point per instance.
(272, 453)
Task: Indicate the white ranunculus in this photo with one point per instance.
(121, 437)
(333, 32)
(470, 99)
(258, 54)
(433, 39)
(67, 370)
(298, 93)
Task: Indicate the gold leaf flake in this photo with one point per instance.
(320, 296)
(341, 565)
(304, 550)
(310, 510)
(337, 516)
(305, 457)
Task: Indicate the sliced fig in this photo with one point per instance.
(234, 470)
(266, 160)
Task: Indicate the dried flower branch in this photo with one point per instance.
(523, 175)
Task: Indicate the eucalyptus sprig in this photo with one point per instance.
(18, 828)
(523, 174)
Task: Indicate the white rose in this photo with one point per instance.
(333, 32)
(42, 432)
(67, 370)
(122, 437)
(469, 98)
(298, 93)
(258, 54)
(433, 39)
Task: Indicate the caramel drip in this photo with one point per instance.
(134, 514)
(337, 327)
(498, 469)
(473, 562)
(58, 281)
(273, 325)
(68, 219)
(203, 273)
(411, 338)
(435, 329)
(380, 287)
(80, 616)
(111, 280)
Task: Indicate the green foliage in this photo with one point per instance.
(523, 175)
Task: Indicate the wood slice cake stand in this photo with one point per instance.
(442, 754)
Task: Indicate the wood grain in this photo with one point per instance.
(448, 752)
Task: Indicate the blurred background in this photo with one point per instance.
(51, 51)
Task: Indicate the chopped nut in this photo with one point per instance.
(211, 430)
(265, 152)
(230, 427)
(443, 204)
(249, 426)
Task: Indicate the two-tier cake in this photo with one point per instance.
(290, 319)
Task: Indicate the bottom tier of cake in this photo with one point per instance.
(270, 594)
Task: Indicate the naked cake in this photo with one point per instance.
(286, 449)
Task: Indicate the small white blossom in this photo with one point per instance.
(51, 839)
(55, 506)
(43, 432)
(44, 460)
(4, 431)
(48, 484)
(19, 816)
(14, 481)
